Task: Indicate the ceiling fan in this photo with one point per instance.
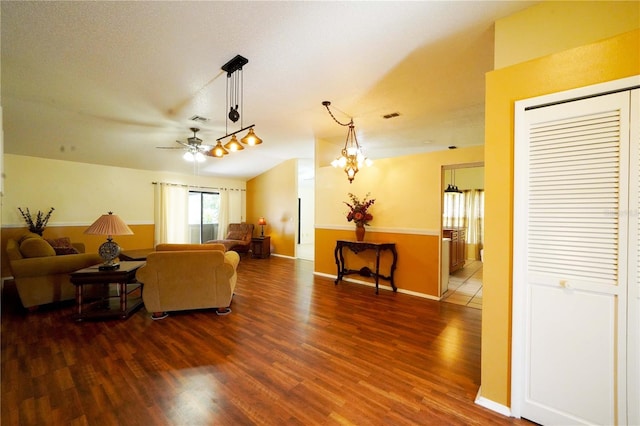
(194, 149)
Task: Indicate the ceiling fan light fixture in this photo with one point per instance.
(233, 145)
(199, 157)
(251, 138)
(188, 156)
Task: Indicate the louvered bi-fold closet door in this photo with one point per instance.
(575, 265)
(633, 359)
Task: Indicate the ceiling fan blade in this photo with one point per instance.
(169, 147)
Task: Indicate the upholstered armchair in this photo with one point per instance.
(177, 279)
(238, 237)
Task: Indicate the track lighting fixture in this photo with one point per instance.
(235, 89)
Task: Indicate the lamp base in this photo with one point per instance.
(109, 267)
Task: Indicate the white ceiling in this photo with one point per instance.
(108, 82)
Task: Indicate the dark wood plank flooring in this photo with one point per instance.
(296, 350)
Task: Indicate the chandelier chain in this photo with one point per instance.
(350, 123)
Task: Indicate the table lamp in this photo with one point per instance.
(262, 223)
(109, 225)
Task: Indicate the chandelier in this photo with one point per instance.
(351, 157)
(235, 89)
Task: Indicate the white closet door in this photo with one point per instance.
(633, 370)
(570, 256)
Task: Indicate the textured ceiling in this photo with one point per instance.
(108, 82)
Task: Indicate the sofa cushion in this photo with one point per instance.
(27, 236)
(62, 246)
(59, 242)
(61, 251)
(36, 247)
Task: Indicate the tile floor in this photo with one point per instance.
(465, 286)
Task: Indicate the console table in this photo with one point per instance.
(357, 247)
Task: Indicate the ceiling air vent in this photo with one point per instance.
(392, 115)
(199, 119)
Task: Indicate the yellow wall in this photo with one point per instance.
(80, 193)
(611, 59)
(407, 211)
(465, 178)
(274, 196)
(555, 26)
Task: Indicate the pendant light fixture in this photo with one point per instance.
(234, 113)
(351, 157)
(452, 188)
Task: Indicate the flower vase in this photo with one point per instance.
(359, 233)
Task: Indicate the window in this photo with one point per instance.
(465, 210)
(204, 208)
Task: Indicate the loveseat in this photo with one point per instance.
(238, 237)
(41, 272)
(180, 277)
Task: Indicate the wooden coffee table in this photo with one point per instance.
(113, 302)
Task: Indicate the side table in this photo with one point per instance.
(261, 247)
(121, 303)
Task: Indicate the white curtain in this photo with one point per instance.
(454, 210)
(475, 216)
(223, 214)
(171, 213)
(465, 210)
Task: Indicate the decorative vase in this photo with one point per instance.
(359, 233)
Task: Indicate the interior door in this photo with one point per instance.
(571, 244)
(633, 361)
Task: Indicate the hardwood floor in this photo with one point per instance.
(295, 350)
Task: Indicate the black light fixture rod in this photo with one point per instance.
(235, 64)
(233, 133)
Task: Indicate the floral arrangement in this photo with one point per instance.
(358, 209)
(40, 220)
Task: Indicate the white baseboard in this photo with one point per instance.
(282, 255)
(381, 286)
(492, 405)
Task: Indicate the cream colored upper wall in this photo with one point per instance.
(555, 26)
(407, 190)
(81, 192)
(465, 178)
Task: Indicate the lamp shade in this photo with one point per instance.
(218, 151)
(262, 221)
(251, 138)
(109, 224)
(233, 145)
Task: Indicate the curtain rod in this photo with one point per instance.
(196, 186)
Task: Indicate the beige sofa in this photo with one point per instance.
(42, 276)
(181, 277)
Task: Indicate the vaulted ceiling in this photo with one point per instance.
(108, 82)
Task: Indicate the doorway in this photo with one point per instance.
(463, 234)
